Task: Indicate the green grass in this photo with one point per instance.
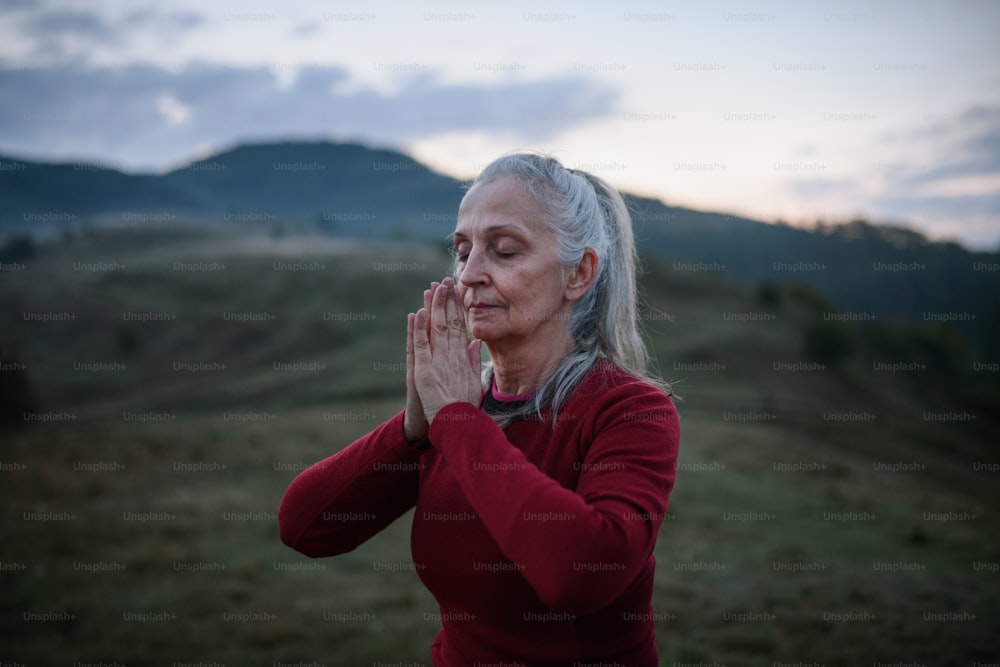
(712, 566)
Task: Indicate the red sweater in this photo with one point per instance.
(537, 544)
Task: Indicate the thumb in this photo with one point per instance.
(475, 360)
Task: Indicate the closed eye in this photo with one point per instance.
(464, 257)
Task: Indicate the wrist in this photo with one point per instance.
(447, 409)
(420, 444)
(414, 437)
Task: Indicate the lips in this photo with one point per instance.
(480, 307)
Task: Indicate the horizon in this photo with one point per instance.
(772, 119)
(814, 226)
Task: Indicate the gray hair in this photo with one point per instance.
(584, 212)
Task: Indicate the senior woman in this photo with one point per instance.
(540, 483)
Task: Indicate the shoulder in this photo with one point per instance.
(610, 393)
(616, 416)
(606, 377)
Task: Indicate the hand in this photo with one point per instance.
(446, 364)
(414, 422)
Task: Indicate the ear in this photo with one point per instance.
(580, 277)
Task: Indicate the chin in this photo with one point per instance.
(480, 332)
(483, 332)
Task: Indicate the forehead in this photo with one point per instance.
(504, 201)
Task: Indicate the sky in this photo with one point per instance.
(800, 111)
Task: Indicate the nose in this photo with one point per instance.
(473, 271)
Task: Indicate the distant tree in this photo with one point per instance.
(808, 296)
(768, 295)
(17, 249)
(940, 347)
(16, 393)
(829, 342)
(944, 350)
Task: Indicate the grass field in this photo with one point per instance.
(844, 515)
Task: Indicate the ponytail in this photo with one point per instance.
(584, 212)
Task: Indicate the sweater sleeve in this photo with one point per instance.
(579, 549)
(337, 504)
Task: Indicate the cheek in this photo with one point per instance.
(541, 287)
(536, 297)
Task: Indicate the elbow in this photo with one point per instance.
(307, 538)
(295, 539)
(306, 550)
(293, 533)
(576, 594)
(289, 533)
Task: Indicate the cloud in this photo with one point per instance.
(957, 186)
(965, 157)
(147, 117)
(943, 177)
(820, 188)
(59, 23)
(65, 35)
(151, 17)
(974, 149)
(305, 29)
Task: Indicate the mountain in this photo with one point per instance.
(352, 189)
(355, 191)
(863, 269)
(325, 182)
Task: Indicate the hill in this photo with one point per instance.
(882, 271)
(183, 375)
(352, 191)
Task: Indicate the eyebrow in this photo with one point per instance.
(494, 229)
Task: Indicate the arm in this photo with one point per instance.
(579, 549)
(337, 504)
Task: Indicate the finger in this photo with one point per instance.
(456, 318)
(421, 343)
(409, 343)
(428, 293)
(439, 316)
(411, 372)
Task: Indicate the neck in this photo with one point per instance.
(522, 368)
